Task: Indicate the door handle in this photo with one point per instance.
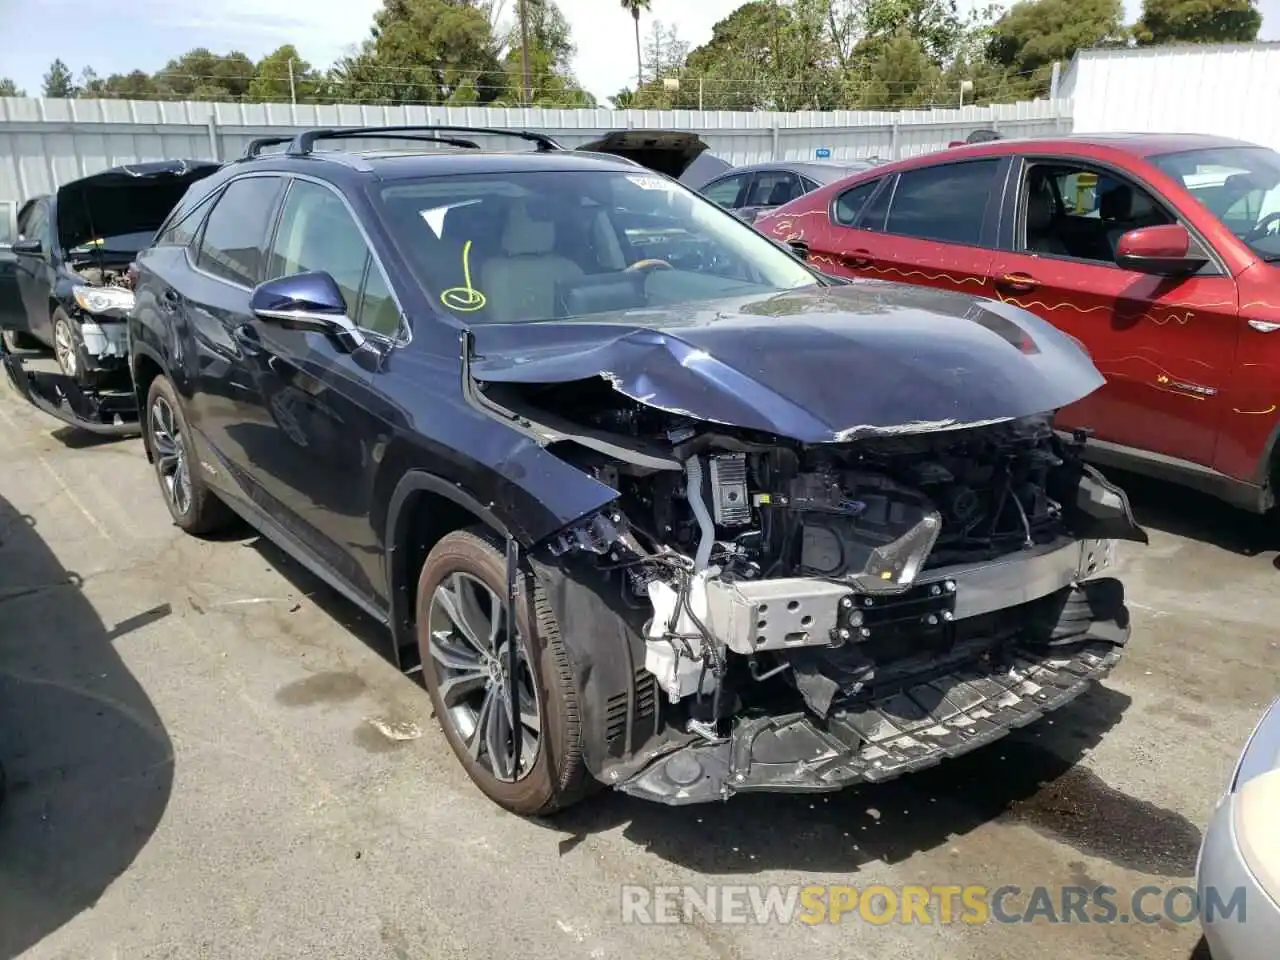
(857, 258)
(247, 339)
(1019, 282)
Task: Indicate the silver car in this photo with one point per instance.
(1238, 871)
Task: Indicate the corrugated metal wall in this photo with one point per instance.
(44, 143)
(1232, 90)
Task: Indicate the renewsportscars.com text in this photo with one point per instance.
(919, 904)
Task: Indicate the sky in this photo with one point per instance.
(112, 36)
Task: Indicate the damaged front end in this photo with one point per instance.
(757, 612)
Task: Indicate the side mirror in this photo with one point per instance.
(307, 301)
(30, 247)
(1165, 250)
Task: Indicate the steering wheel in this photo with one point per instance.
(648, 264)
(1260, 229)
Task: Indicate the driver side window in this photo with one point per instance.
(1069, 210)
(318, 233)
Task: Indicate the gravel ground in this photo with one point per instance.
(197, 742)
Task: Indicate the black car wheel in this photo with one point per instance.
(193, 506)
(66, 345)
(461, 635)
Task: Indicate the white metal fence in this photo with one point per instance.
(45, 143)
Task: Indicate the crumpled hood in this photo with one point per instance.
(129, 199)
(822, 364)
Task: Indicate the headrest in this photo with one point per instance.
(781, 193)
(524, 236)
(1116, 203)
(1039, 208)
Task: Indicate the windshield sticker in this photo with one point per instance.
(435, 216)
(464, 299)
(652, 183)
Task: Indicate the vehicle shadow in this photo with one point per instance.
(1165, 506)
(1031, 777)
(89, 764)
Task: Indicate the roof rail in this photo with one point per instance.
(255, 146)
(302, 144)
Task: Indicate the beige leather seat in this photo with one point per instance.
(521, 284)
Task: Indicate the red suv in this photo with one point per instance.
(1159, 253)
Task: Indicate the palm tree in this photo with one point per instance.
(634, 7)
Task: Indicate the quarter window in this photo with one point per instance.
(946, 202)
(183, 230)
(236, 231)
(850, 203)
(317, 233)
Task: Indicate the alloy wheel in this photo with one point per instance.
(170, 455)
(469, 657)
(64, 348)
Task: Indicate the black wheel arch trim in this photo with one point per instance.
(400, 579)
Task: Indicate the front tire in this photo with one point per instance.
(460, 625)
(194, 507)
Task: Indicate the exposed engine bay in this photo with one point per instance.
(101, 276)
(806, 582)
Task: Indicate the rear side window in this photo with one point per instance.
(850, 203)
(232, 247)
(944, 203)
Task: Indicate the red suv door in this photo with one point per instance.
(931, 225)
(1163, 343)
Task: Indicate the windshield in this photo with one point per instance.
(516, 247)
(1240, 185)
(120, 243)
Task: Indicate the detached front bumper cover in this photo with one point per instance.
(907, 726)
(112, 414)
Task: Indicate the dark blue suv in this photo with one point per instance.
(652, 502)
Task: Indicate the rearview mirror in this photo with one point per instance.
(31, 247)
(1166, 250)
(307, 301)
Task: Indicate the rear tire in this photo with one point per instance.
(465, 576)
(194, 507)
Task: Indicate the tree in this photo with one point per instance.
(136, 85)
(933, 24)
(550, 51)
(200, 74)
(1197, 21)
(903, 74)
(422, 51)
(58, 82)
(1032, 34)
(10, 89)
(271, 81)
(634, 7)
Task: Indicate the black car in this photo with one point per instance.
(755, 189)
(70, 260)
(652, 503)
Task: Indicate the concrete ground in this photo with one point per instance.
(199, 759)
